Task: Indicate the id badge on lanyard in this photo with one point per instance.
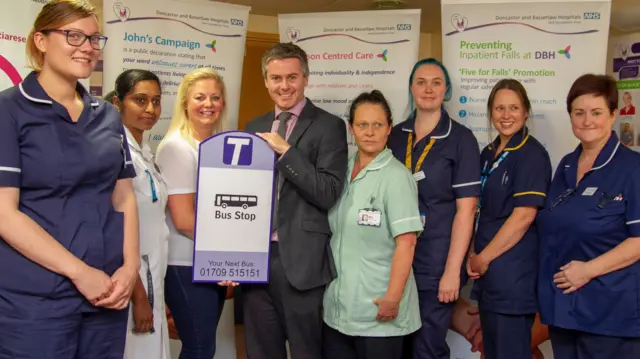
(418, 174)
(483, 180)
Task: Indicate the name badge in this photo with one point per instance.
(369, 217)
(589, 191)
(423, 218)
(418, 176)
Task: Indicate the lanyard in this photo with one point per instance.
(145, 258)
(483, 180)
(154, 195)
(485, 174)
(427, 148)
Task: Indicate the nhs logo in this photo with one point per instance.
(237, 151)
(591, 16)
(237, 22)
(403, 27)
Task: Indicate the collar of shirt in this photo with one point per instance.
(380, 161)
(515, 143)
(442, 129)
(144, 150)
(295, 110)
(604, 158)
(31, 89)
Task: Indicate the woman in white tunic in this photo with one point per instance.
(137, 97)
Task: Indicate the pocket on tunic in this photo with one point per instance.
(607, 306)
(604, 205)
(372, 284)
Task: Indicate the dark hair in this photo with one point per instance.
(597, 85)
(127, 80)
(282, 51)
(109, 96)
(513, 85)
(374, 97)
(447, 80)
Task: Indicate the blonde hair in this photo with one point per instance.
(54, 14)
(180, 121)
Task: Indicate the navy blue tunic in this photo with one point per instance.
(451, 171)
(66, 173)
(584, 221)
(519, 177)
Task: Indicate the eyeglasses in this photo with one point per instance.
(77, 38)
(154, 196)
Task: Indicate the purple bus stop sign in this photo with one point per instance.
(233, 209)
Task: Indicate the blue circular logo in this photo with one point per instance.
(462, 113)
(463, 99)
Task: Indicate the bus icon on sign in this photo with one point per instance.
(232, 200)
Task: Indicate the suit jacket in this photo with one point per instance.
(314, 171)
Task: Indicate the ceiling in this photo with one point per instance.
(625, 13)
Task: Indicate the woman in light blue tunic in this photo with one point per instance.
(373, 303)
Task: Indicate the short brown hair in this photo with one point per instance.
(54, 14)
(287, 50)
(596, 85)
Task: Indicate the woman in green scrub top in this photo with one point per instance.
(373, 302)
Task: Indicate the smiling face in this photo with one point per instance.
(73, 62)
(285, 81)
(591, 119)
(428, 87)
(141, 107)
(205, 103)
(626, 98)
(508, 114)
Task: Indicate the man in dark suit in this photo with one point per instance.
(311, 147)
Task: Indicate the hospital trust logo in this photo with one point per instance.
(122, 12)
(293, 34)
(459, 22)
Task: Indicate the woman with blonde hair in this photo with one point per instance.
(68, 215)
(198, 114)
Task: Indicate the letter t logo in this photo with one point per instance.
(237, 151)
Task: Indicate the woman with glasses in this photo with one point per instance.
(197, 115)
(444, 159)
(137, 97)
(68, 214)
(589, 279)
(516, 171)
(373, 303)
